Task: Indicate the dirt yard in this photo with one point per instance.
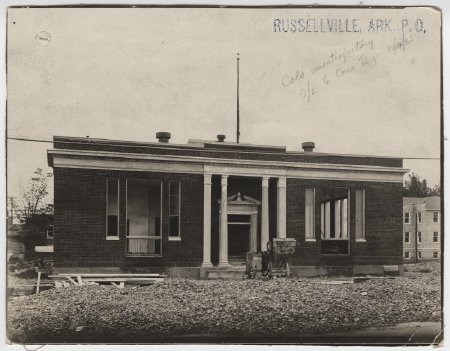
(251, 307)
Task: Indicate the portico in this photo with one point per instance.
(240, 203)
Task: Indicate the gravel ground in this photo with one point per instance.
(252, 307)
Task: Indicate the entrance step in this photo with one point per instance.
(229, 273)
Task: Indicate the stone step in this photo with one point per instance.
(226, 274)
(231, 273)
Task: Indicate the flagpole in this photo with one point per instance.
(237, 100)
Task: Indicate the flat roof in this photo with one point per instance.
(204, 144)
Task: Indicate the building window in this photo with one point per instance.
(407, 217)
(419, 254)
(334, 224)
(309, 214)
(419, 217)
(359, 215)
(144, 217)
(419, 237)
(435, 254)
(407, 237)
(406, 254)
(436, 217)
(174, 209)
(50, 231)
(112, 208)
(435, 237)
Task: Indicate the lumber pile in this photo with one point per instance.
(117, 279)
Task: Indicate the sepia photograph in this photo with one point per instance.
(224, 175)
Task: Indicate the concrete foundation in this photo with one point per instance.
(236, 272)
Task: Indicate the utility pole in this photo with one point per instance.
(238, 133)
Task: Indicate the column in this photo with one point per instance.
(254, 232)
(223, 234)
(207, 221)
(265, 213)
(281, 207)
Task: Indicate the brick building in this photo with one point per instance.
(421, 228)
(193, 208)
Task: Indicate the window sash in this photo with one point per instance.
(435, 217)
(174, 208)
(50, 231)
(360, 209)
(112, 216)
(435, 237)
(309, 213)
(407, 238)
(407, 254)
(406, 217)
(419, 237)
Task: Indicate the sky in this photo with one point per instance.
(127, 73)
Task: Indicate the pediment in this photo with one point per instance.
(242, 200)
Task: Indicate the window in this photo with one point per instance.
(407, 217)
(112, 209)
(419, 237)
(435, 217)
(334, 220)
(309, 214)
(435, 254)
(50, 231)
(419, 217)
(435, 237)
(174, 209)
(144, 217)
(419, 254)
(359, 215)
(407, 237)
(406, 254)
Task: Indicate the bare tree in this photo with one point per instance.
(33, 200)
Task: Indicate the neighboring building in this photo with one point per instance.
(422, 228)
(190, 208)
(15, 247)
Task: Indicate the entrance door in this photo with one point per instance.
(238, 235)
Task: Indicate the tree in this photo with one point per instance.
(34, 211)
(33, 200)
(415, 187)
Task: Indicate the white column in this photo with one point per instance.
(281, 208)
(223, 234)
(327, 219)
(254, 232)
(265, 213)
(337, 219)
(207, 221)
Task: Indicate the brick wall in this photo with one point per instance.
(383, 224)
(80, 220)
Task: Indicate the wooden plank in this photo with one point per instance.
(80, 282)
(38, 282)
(121, 279)
(72, 281)
(116, 275)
